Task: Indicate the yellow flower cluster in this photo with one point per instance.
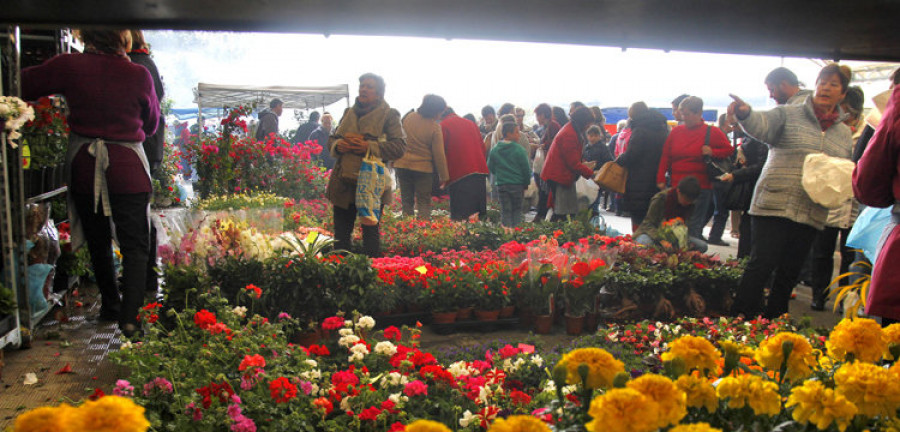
(860, 338)
(748, 389)
(671, 401)
(426, 426)
(873, 389)
(770, 355)
(696, 352)
(813, 403)
(734, 348)
(602, 367)
(891, 336)
(695, 427)
(699, 391)
(623, 410)
(518, 423)
(107, 414)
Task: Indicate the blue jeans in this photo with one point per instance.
(511, 198)
(698, 217)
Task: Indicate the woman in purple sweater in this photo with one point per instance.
(113, 108)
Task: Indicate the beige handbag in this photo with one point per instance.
(612, 177)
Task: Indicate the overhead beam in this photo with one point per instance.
(830, 29)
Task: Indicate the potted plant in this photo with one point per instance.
(540, 286)
(46, 138)
(580, 291)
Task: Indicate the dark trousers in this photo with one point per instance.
(344, 220)
(129, 214)
(468, 196)
(717, 211)
(823, 259)
(543, 195)
(152, 276)
(779, 245)
(746, 239)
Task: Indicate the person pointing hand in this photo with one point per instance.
(738, 108)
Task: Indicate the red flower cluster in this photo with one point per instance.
(148, 312)
(222, 391)
(253, 291)
(392, 333)
(282, 390)
(332, 323)
(255, 360)
(319, 350)
(204, 319)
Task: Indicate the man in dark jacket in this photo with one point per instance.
(304, 131)
(641, 159)
(268, 119)
(320, 137)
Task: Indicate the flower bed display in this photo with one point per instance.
(218, 366)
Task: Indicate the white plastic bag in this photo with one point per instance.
(828, 180)
(586, 191)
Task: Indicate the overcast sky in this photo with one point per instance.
(468, 74)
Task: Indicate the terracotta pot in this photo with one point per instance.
(306, 338)
(507, 311)
(543, 324)
(591, 320)
(443, 317)
(465, 313)
(487, 315)
(574, 325)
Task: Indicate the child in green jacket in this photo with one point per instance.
(509, 165)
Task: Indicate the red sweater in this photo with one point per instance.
(563, 164)
(682, 155)
(463, 147)
(108, 97)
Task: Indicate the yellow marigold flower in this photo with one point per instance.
(748, 389)
(111, 414)
(873, 389)
(700, 393)
(623, 410)
(602, 367)
(695, 427)
(697, 353)
(813, 403)
(46, 419)
(770, 355)
(860, 337)
(671, 400)
(891, 336)
(519, 423)
(426, 426)
(738, 349)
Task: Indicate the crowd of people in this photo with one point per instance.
(671, 168)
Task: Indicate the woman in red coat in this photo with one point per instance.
(876, 182)
(563, 164)
(683, 153)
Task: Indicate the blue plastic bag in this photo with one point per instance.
(370, 185)
(867, 231)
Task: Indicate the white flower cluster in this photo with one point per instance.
(311, 375)
(385, 348)
(397, 398)
(349, 340)
(460, 368)
(511, 366)
(345, 332)
(16, 113)
(358, 352)
(394, 379)
(537, 360)
(467, 419)
(365, 322)
(240, 311)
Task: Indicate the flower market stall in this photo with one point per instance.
(208, 95)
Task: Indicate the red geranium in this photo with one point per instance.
(370, 414)
(204, 319)
(255, 360)
(282, 390)
(333, 323)
(392, 333)
(253, 291)
(324, 404)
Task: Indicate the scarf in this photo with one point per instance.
(826, 119)
(362, 110)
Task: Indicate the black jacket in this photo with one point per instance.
(303, 132)
(755, 153)
(153, 144)
(641, 158)
(268, 123)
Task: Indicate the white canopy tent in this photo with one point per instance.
(218, 95)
